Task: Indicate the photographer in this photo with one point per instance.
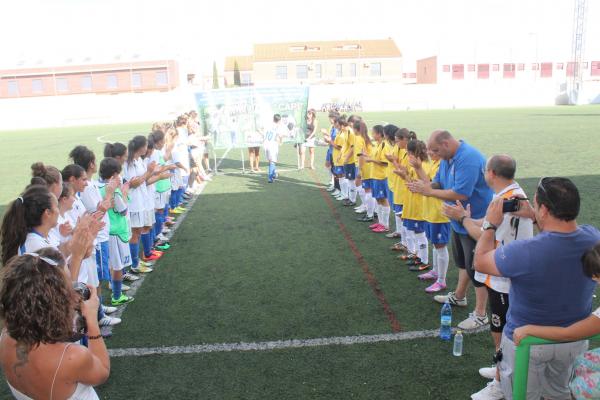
(548, 283)
(499, 175)
(37, 307)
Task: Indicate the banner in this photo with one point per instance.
(238, 117)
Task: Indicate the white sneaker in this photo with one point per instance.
(162, 237)
(108, 309)
(165, 230)
(130, 277)
(451, 298)
(488, 372)
(341, 197)
(473, 322)
(330, 188)
(109, 321)
(491, 392)
(361, 209)
(335, 193)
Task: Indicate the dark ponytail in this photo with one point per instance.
(72, 170)
(82, 156)
(22, 215)
(114, 150)
(134, 145)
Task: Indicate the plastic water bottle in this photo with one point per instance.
(446, 322)
(458, 344)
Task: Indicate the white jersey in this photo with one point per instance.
(182, 147)
(273, 135)
(151, 189)
(138, 196)
(54, 236)
(33, 242)
(91, 197)
(178, 173)
(512, 228)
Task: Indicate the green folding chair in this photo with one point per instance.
(522, 363)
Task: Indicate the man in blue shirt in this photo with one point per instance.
(549, 286)
(461, 177)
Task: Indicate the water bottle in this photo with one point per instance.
(446, 322)
(458, 344)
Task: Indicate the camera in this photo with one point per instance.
(79, 322)
(511, 205)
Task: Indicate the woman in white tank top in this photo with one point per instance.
(36, 355)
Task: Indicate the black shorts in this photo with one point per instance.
(499, 307)
(463, 250)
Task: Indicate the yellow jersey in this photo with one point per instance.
(413, 202)
(399, 187)
(365, 168)
(433, 206)
(378, 171)
(348, 147)
(339, 140)
(390, 150)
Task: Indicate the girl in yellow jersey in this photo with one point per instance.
(397, 183)
(338, 161)
(366, 171)
(378, 184)
(390, 152)
(438, 227)
(350, 163)
(362, 144)
(413, 213)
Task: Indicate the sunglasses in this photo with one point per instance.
(47, 260)
(541, 188)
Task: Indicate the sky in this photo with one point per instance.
(49, 32)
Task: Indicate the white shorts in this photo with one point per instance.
(161, 200)
(141, 219)
(149, 217)
(119, 255)
(272, 151)
(88, 273)
(309, 143)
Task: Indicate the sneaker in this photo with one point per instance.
(436, 287)
(380, 229)
(488, 372)
(366, 218)
(175, 211)
(109, 321)
(330, 188)
(108, 309)
(147, 263)
(393, 235)
(141, 269)
(164, 231)
(156, 252)
(162, 237)
(399, 247)
(348, 203)
(375, 225)
(418, 266)
(428, 276)
(341, 198)
(181, 209)
(451, 298)
(335, 193)
(474, 321)
(121, 300)
(491, 392)
(360, 210)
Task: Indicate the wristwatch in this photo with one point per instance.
(488, 225)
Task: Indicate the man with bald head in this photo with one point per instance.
(461, 177)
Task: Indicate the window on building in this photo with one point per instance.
(112, 82)
(339, 71)
(318, 71)
(495, 67)
(483, 71)
(281, 72)
(302, 71)
(458, 71)
(13, 88)
(446, 68)
(375, 69)
(62, 85)
(595, 71)
(245, 79)
(353, 69)
(471, 68)
(136, 80)
(86, 83)
(521, 67)
(546, 70)
(161, 78)
(508, 71)
(37, 86)
(559, 66)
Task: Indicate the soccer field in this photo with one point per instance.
(274, 291)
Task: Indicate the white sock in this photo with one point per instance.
(404, 233)
(352, 194)
(398, 218)
(362, 195)
(422, 247)
(442, 263)
(369, 202)
(374, 202)
(410, 241)
(344, 187)
(434, 260)
(378, 208)
(385, 211)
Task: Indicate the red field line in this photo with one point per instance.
(373, 283)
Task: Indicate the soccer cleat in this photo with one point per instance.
(124, 287)
(147, 263)
(491, 392)
(175, 211)
(165, 230)
(162, 237)
(393, 235)
(153, 257)
(330, 188)
(428, 276)
(488, 372)
(452, 299)
(366, 218)
(141, 269)
(335, 193)
(124, 299)
(380, 229)
(474, 321)
(348, 203)
(360, 209)
(375, 225)
(163, 247)
(181, 209)
(418, 266)
(399, 247)
(109, 321)
(436, 287)
(341, 198)
(108, 309)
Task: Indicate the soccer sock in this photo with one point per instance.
(410, 241)
(442, 264)
(434, 260)
(147, 244)
(180, 193)
(173, 199)
(385, 211)
(158, 225)
(344, 187)
(375, 204)
(331, 178)
(369, 203)
(422, 247)
(117, 285)
(353, 191)
(336, 183)
(398, 218)
(166, 211)
(379, 213)
(362, 195)
(134, 248)
(404, 237)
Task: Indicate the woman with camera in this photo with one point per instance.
(38, 307)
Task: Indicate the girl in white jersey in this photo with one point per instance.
(160, 155)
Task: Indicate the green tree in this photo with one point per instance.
(215, 76)
(236, 74)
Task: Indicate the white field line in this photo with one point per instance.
(107, 331)
(278, 344)
(101, 138)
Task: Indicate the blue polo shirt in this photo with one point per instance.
(464, 174)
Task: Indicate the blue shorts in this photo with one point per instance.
(367, 183)
(438, 233)
(350, 171)
(415, 226)
(397, 208)
(102, 262)
(379, 188)
(337, 170)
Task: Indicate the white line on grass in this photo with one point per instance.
(278, 344)
(101, 138)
